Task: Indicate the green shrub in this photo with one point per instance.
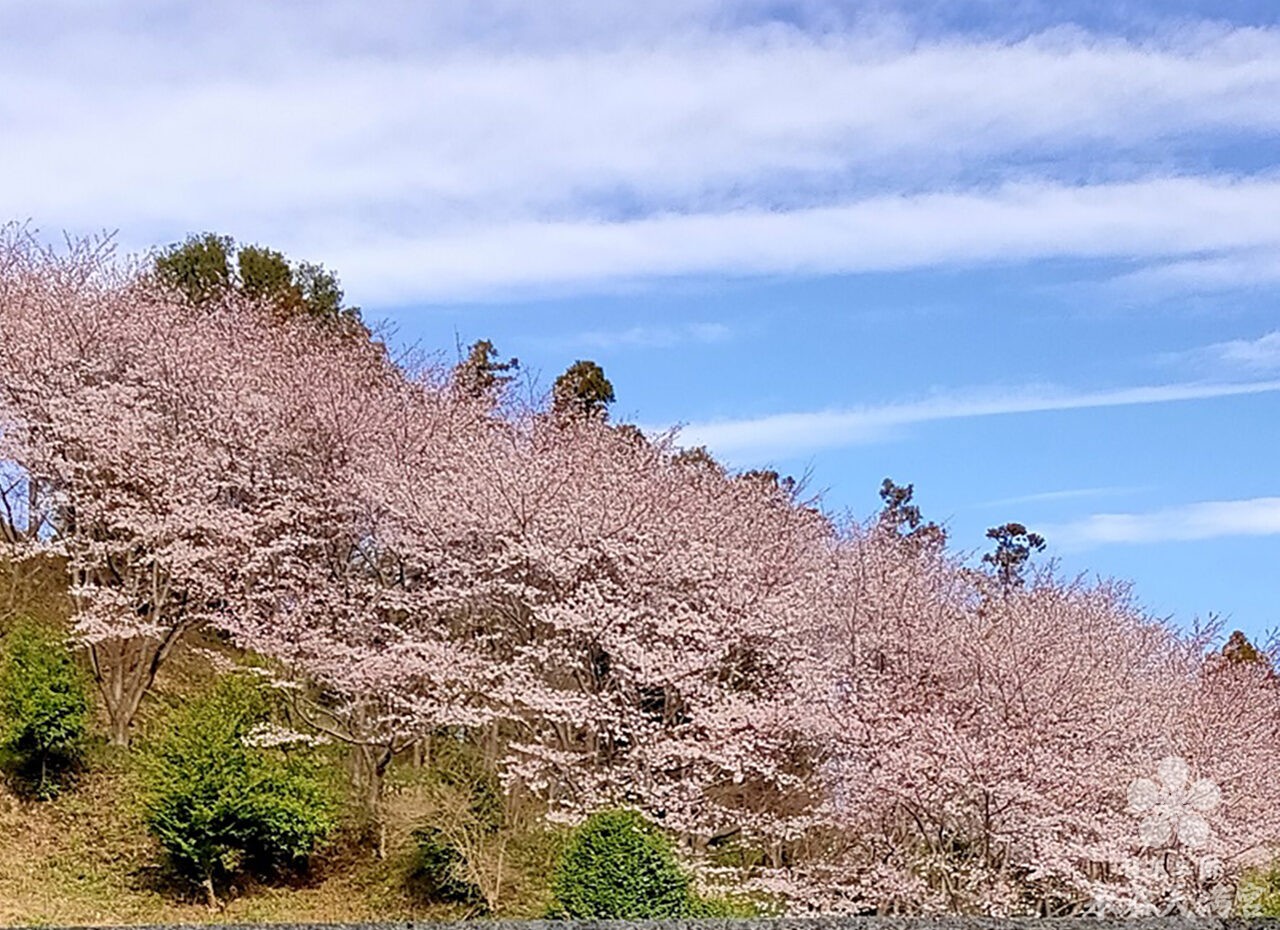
(222, 801)
(1259, 892)
(44, 708)
(619, 866)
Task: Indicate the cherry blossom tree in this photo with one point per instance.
(977, 750)
(158, 435)
(107, 411)
(352, 601)
(637, 608)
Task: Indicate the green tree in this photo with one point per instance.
(582, 390)
(1014, 545)
(321, 294)
(1238, 652)
(205, 265)
(265, 273)
(771, 481)
(697, 458)
(200, 266)
(618, 866)
(225, 793)
(482, 375)
(902, 517)
(44, 707)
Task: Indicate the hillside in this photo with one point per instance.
(294, 627)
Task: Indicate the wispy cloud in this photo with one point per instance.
(1065, 494)
(1231, 358)
(1259, 516)
(1019, 222)
(1255, 355)
(641, 337)
(789, 434)
(1240, 268)
(445, 152)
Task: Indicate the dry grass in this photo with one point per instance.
(33, 588)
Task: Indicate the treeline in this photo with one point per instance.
(842, 713)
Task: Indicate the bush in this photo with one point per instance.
(619, 866)
(221, 799)
(730, 907)
(440, 869)
(467, 803)
(44, 708)
(1259, 892)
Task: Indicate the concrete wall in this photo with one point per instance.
(798, 923)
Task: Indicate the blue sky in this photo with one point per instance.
(1024, 255)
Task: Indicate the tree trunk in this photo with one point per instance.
(370, 765)
(125, 670)
(33, 509)
(118, 729)
(210, 896)
(108, 659)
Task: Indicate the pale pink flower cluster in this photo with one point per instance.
(274, 736)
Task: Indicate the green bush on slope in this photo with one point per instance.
(44, 708)
(221, 800)
(618, 866)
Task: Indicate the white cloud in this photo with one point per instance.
(455, 151)
(1257, 355)
(791, 434)
(1017, 222)
(1241, 268)
(1259, 516)
(642, 337)
(1232, 358)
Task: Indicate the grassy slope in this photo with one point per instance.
(85, 858)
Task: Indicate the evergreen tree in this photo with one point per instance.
(582, 390)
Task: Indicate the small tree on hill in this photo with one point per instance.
(482, 374)
(227, 792)
(204, 266)
(200, 266)
(1240, 650)
(902, 517)
(769, 480)
(697, 457)
(618, 866)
